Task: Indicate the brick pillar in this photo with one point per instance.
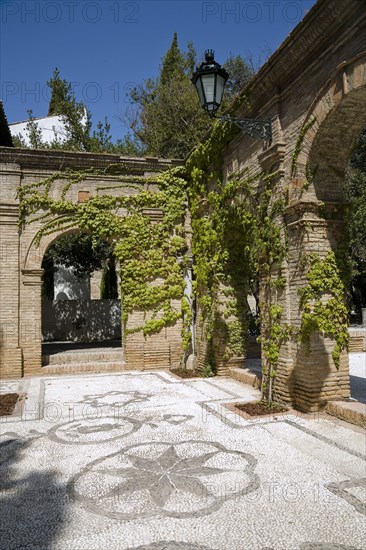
(230, 334)
(311, 378)
(10, 351)
(30, 320)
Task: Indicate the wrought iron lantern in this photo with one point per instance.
(210, 79)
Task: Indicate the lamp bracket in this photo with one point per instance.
(257, 129)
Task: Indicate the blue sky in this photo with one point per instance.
(106, 47)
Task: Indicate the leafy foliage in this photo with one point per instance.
(166, 115)
(164, 118)
(238, 234)
(322, 304)
(151, 278)
(356, 197)
(109, 286)
(34, 134)
(78, 251)
(240, 73)
(77, 124)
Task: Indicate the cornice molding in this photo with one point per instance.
(311, 37)
(63, 160)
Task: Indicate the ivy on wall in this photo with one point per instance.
(238, 234)
(147, 250)
(322, 304)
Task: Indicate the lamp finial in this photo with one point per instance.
(209, 56)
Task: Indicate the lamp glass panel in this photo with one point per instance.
(200, 91)
(208, 81)
(220, 83)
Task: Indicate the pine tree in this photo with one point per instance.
(168, 119)
(61, 94)
(5, 135)
(173, 64)
(240, 72)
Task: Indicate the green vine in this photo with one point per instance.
(322, 304)
(299, 142)
(238, 236)
(147, 250)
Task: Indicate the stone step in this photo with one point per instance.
(246, 376)
(78, 368)
(85, 356)
(356, 344)
(350, 411)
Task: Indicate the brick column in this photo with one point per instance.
(10, 351)
(312, 379)
(30, 320)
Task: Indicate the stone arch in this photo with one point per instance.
(36, 251)
(338, 109)
(333, 123)
(31, 298)
(30, 306)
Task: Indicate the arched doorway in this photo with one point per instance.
(68, 308)
(81, 309)
(317, 226)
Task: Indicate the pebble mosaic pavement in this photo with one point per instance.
(146, 461)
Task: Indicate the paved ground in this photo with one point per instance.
(147, 461)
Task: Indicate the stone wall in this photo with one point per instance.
(319, 73)
(21, 258)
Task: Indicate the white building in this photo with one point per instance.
(52, 128)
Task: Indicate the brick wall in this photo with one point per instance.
(319, 71)
(21, 259)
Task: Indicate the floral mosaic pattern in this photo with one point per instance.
(192, 478)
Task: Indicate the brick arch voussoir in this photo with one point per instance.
(36, 251)
(348, 77)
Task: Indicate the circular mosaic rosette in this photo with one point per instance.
(192, 478)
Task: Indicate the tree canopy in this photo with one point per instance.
(356, 195)
(77, 251)
(5, 135)
(166, 116)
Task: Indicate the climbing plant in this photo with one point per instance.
(147, 250)
(238, 235)
(322, 303)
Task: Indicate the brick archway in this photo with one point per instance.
(30, 307)
(36, 251)
(338, 114)
(313, 89)
(315, 216)
(21, 257)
